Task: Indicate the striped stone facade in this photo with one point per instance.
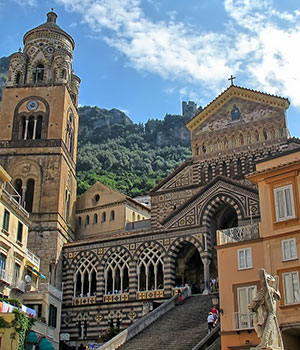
(206, 193)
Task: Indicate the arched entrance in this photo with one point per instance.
(224, 217)
(188, 267)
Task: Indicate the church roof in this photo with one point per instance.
(50, 25)
(219, 178)
(236, 91)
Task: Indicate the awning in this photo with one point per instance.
(45, 344)
(36, 272)
(32, 338)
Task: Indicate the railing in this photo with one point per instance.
(18, 284)
(10, 192)
(237, 234)
(151, 294)
(47, 287)
(5, 276)
(33, 258)
(243, 320)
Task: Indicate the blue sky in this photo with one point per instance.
(146, 56)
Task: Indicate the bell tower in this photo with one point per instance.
(38, 138)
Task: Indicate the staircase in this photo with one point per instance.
(181, 328)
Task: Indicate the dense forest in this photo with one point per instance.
(126, 156)
(123, 155)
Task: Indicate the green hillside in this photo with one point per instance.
(126, 156)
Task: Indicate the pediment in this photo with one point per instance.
(237, 105)
(181, 177)
(191, 213)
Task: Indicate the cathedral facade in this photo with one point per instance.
(111, 272)
(138, 268)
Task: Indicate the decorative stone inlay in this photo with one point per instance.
(84, 300)
(153, 294)
(112, 298)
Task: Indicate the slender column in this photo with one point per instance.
(82, 282)
(206, 263)
(90, 283)
(34, 128)
(26, 129)
(121, 278)
(147, 277)
(113, 281)
(155, 277)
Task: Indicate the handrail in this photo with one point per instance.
(208, 339)
(139, 325)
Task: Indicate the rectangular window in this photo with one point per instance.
(244, 258)
(284, 203)
(289, 249)
(244, 318)
(17, 272)
(2, 261)
(291, 287)
(20, 232)
(52, 316)
(5, 225)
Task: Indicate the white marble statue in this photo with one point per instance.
(264, 306)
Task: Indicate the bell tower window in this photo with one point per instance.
(30, 127)
(38, 74)
(29, 195)
(18, 78)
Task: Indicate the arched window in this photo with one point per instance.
(233, 141)
(224, 169)
(18, 185)
(29, 194)
(70, 133)
(18, 78)
(112, 215)
(256, 136)
(241, 139)
(138, 218)
(79, 221)
(203, 148)
(116, 273)
(38, 74)
(85, 277)
(248, 138)
(265, 134)
(67, 205)
(87, 220)
(133, 216)
(103, 217)
(63, 74)
(95, 218)
(150, 270)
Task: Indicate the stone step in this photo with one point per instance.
(179, 329)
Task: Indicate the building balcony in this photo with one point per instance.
(5, 277)
(238, 234)
(47, 287)
(18, 285)
(33, 259)
(243, 320)
(14, 197)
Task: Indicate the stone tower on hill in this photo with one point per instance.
(38, 133)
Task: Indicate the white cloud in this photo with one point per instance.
(26, 2)
(259, 45)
